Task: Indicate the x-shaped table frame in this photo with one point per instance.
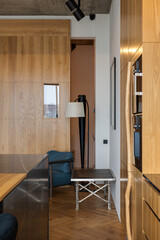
(94, 192)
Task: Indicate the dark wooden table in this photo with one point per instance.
(92, 176)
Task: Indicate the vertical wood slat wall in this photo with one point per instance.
(33, 52)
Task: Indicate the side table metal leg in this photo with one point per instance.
(109, 196)
(51, 181)
(77, 195)
(105, 193)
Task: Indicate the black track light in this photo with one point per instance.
(75, 9)
(71, 4)
(78, 14)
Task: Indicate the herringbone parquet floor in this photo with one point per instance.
(92, 222)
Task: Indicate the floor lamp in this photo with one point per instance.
(78, 109)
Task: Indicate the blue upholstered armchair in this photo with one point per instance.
(8, 227)
(60, 168)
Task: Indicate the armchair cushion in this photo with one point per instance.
(8, 227)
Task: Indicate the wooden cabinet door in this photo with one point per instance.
(124, 175)
(151, 110)
(132, 208)
(136, 205)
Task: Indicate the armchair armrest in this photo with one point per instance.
(61, 161)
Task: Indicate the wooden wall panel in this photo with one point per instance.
(151, 21)
(124, 33)
(131, 29)
(27, 61)
(15, 27)
(138, 23)
(151, 110)
(56, 64)
(64, 94)
(3, 135)
(21, 100)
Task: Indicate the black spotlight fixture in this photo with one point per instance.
(75, 9)
(71, 4)
(78, 14)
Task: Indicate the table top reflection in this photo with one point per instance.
(20, 163)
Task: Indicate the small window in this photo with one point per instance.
(51, 101)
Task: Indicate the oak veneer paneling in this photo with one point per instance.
(131, 29)
(21, 136)
(135, 26)
(152, 197)
(21, 100)
(151, 110)
(64, 94)
(151, 202)
(53, 134)
(35, 59)
(135, 204)
(3, 135)
(151, 225)
(23, 27)
(151, 21)
(133, 207)
(31, 54)
(3, 100)
(28, 136)
(137, 210)
(138, 23)
(124, 174)
(124, 33)
(56, 64)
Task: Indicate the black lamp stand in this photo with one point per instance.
(82, 130)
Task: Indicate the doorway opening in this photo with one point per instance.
(83, 83)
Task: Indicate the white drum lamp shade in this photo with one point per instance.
(74, 109)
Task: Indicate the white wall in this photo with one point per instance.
(102, 90)
(99, 30)
(115, 134)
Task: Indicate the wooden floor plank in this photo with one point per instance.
(92, 222)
